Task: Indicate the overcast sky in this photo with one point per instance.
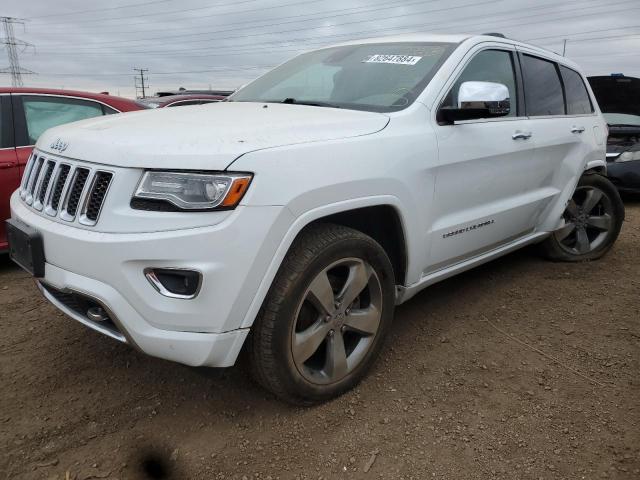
(91, 45)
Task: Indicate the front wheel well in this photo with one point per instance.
(600, 170)
(383, 224)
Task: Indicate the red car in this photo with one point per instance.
(27, 112)
(179, 100)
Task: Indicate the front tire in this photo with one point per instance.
(324, 320)
(593, 219)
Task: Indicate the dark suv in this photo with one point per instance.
(619, 100)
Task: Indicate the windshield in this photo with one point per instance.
(622, 119)
(382, 77)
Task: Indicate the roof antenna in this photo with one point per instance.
(495, 34)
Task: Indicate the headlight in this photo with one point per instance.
(190, 191)
(628, 156)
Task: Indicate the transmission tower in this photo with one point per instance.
(11, 43)
(139, 82)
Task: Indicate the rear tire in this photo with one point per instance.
(593, 219)
(324, 320)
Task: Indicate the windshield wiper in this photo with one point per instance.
(312, 103)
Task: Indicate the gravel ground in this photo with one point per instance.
(518, 369)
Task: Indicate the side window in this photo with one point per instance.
(578, 101)
(43, 112)
(487, 66)
(6, 123)
(542, 87)
(3, 132)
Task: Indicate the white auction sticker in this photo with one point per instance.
(395, 59)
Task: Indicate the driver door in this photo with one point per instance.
(488, 192)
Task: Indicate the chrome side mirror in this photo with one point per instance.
(492, 96)
(479, 100)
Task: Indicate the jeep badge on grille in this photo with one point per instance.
(59, 145)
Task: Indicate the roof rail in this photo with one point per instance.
(495, 34)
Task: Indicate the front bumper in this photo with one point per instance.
(107, 268)
(190, 348)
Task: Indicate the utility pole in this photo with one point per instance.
(11, 43)
(140, 85)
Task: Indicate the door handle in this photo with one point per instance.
(577, 129)
(521, 135)
(4, 165)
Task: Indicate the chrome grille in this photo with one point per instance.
(33, 179)
(63, 189)
(27, 173)
(44, 185)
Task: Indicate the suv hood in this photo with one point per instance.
(203, 137)
(617, 94)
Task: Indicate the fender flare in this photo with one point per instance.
(296, 227)
(596, 166)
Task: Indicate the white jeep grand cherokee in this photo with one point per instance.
(291, 218)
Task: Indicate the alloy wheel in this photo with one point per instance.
(588, 221)
(337, 321)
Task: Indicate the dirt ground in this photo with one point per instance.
(520, 369)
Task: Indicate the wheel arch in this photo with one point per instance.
(382, 223)
(596, 166)
(553, 216)
(351, 213)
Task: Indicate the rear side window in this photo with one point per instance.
(542, 87)
(43, 112)
(578, 101)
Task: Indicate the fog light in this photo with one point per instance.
(175, 282)
(97, 314)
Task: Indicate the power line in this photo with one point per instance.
(164, 52)
(589, 55)
(546, 6)
(606, 37)
(335, 25)
(321, 16)
(217, 14)
(244, 22)
(481, 3)
(562, 35)
(352, 35)
(122, 74)
(186, 10)
(131, 5)
(11, 43)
